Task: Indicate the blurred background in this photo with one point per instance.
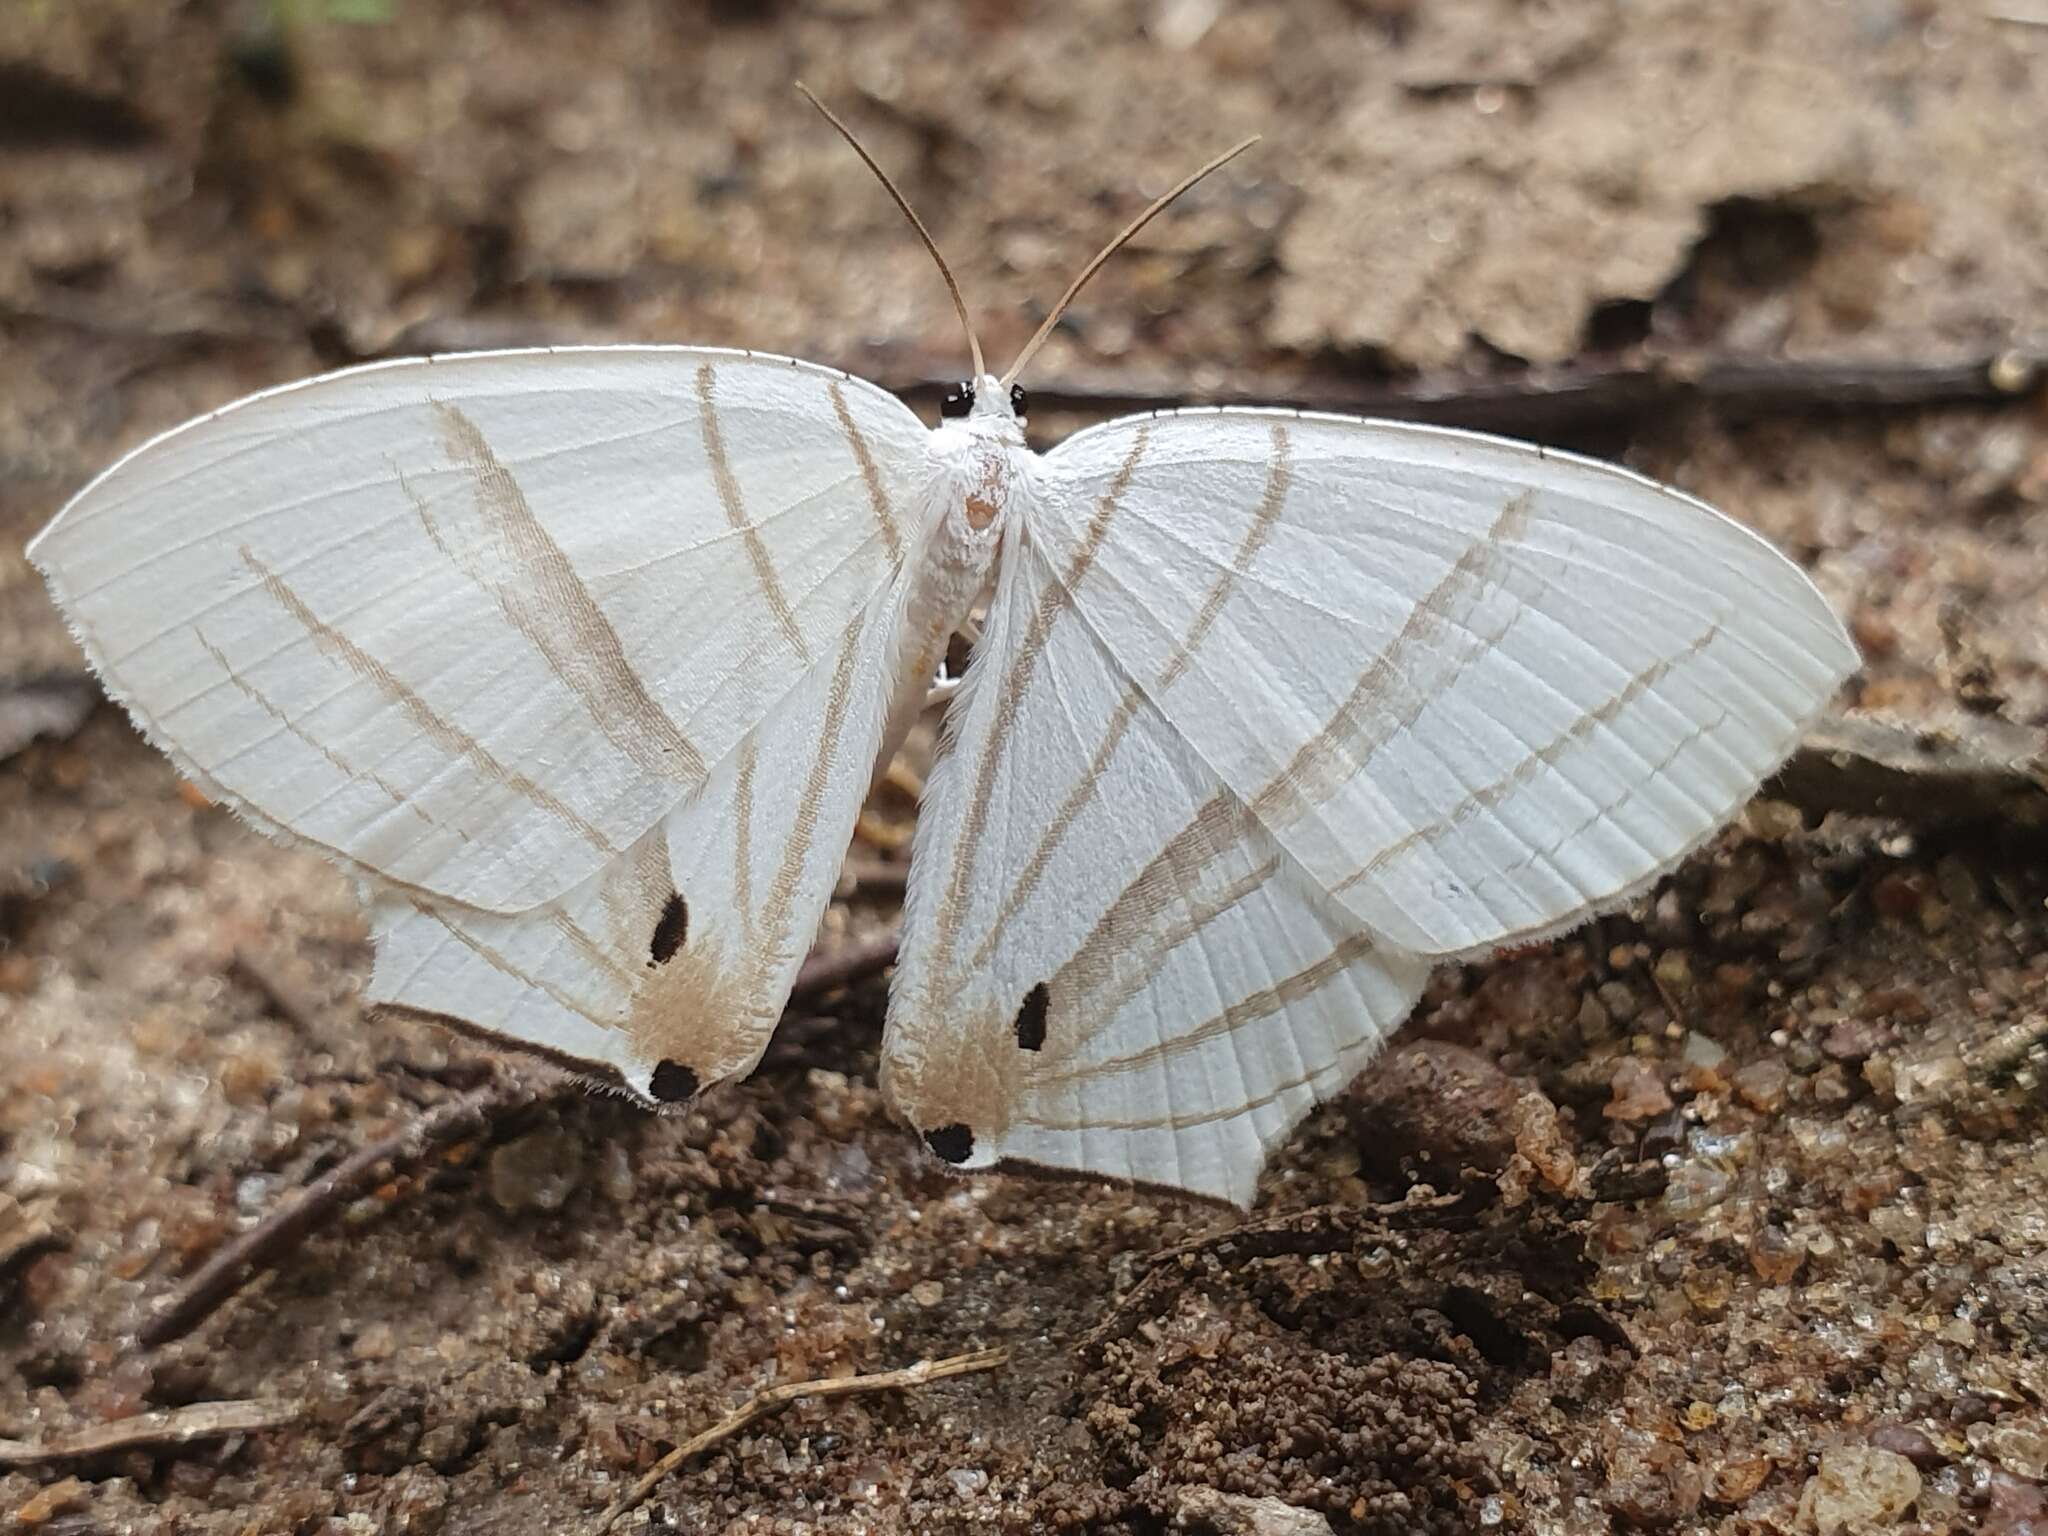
(1793, 258)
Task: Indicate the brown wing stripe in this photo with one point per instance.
(736, 514)
(743, 838)
(1062, 823)
(1219, 825)
(1278, 477)
(538, 589)
(870, 472)
(771, 941)
(595, 955)
(437, 728)
(339, 763)
(1147, 958)
(498, 962)
(1546, 756)
(1359, 727)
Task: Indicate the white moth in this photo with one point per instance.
(582, 662)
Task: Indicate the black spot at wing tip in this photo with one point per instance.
(669, 931)
(1031, 1018)
(673, 1083)
(952, 1143)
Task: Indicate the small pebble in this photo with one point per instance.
(2022, 1449)
(60, 1498)
(615, 1174)
(1857, 1488)
(1772, 821)
(1674, 971)
(1734, 1481)
(1239, 1514)
(1619, 1001)
(928, 1293)
(1702, 1051)
(1762, 1085)
(1904, 1440)
(1638, 1091)
(1540, 1137)
(1851, 1040)
(1776, 1255)
(2018, 1507)
(967, 1481)
(1831, 1085)
(538, 1172)
(1652, 1484)
(1934, 1080)
(1695, 1188)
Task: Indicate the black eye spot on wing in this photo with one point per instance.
(958, 401)
(1031, 1018)
(954, 1143)
(669, 932)
(673, 1082)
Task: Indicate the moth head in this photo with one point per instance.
(986, 399)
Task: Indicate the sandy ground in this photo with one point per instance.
(1753, 1234)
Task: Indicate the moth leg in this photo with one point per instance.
(881, 834)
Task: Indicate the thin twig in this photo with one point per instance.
(1974, 770)
(1532, 401)
(1544, 401)
(842, 967)
(148, 1431)
(775, 1399)
(237, 1262)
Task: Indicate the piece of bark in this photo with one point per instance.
(1980, 770)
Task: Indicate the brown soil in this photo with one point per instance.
(1755, 1236)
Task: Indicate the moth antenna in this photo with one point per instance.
(1158, 206)
(959, 303)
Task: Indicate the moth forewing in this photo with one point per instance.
(1537, 682)
(499, 632)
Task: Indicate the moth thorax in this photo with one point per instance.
(986, 495)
